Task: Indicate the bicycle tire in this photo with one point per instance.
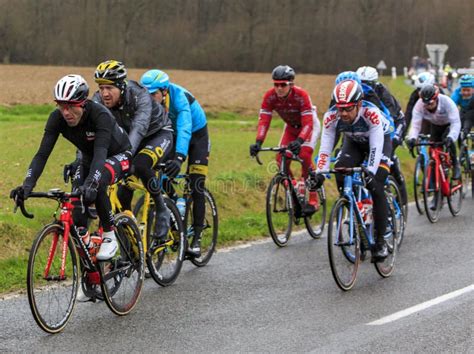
(43, 297)
(400, 216)
(472, 184)
(165, 262)
(279, 195)
(318, 218)
(386, 268)
(122, 276)
(466, 168)
(455, 197)
(209, 232)
(418, 178)
(435, 195)
(343, 250)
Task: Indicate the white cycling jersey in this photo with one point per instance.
(369, 127)
(446, 113)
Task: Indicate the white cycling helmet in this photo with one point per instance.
(71, 89)
(424, 78)
(368, 73)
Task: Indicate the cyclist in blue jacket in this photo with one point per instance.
(191, 141)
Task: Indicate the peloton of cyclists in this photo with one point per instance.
(366, 135)
(293, 104)
(149, 129)
(191, 141)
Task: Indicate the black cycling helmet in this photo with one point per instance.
(429, 93)
(283, 73)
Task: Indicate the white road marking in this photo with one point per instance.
(420, 307)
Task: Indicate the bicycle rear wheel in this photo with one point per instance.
(51, 296)
(279, 208)
(165, 261)
(418, 178)
(122, 276)
(386, 268)
(343, 244)
(395, 197)
(209, 232)
(432, 197)
(315, 223)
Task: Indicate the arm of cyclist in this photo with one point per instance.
(328, 137)
(142, 117)
(454, 120)
(376, 139)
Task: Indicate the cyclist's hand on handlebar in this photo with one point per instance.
(89, 193)
(255, 148)
(295, 146)
(369, 179)
(448, 141)
(19, 194)
(316, 180)
(410, 143)
(174, 166)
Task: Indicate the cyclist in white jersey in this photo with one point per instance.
(367, 136)
(441, 111)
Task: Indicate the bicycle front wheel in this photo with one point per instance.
(343, 244)
(418, 178)
(52, 290)
(165, 261)
(395, 198)
(456, 194)
(432, 197)
(279, 207)
(386, 268)
(123, 275)
(315, 222)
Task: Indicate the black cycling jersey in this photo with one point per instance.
(467, 117)
(97, 135)
(138, 114)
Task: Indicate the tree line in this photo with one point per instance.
(314, 36)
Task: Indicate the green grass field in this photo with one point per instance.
(237, 182)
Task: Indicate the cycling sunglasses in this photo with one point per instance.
(281, 84)
(346, 109)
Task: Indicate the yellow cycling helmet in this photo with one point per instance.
(110, 72)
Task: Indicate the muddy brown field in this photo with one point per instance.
(216, 91)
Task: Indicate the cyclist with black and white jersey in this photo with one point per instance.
(105, 151)
(442, 113)
(366, 136)
(149, 129)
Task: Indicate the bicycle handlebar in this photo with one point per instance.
(345, 170)
(280, 150)
(56, 194)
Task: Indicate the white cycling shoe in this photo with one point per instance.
(109, 246)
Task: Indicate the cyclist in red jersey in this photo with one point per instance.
(302, 128)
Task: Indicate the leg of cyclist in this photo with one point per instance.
(199, 149)
(397, 174)
(306, 155)
(452, 152)
(155, 149)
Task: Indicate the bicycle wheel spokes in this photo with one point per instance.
(343, 244)
(51, 290)
(464, 160)
(165, 261)
(209, 232)
(123, 275)
(418, 184)
(432, 197)
(385, 268)
(279, 210)
(315, 223)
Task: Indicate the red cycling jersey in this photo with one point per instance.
(295, 110)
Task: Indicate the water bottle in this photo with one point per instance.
(181, 205)
(368, 206)
(361, 208)
(301, 187)
(84, 235)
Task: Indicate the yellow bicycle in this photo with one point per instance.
(165, 259)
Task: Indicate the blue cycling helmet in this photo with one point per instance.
(155, 80)
(466, 81)
(348, 75)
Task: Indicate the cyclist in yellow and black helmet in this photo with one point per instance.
(149, 129)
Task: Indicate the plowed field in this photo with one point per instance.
(216, 91)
